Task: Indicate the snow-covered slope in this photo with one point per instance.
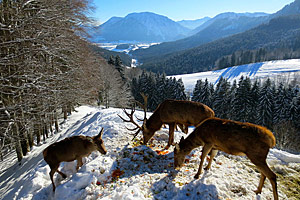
(272, 69)
(132, 171)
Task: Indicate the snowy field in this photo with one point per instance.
(132, 171)
(133, 45)
(273, 69)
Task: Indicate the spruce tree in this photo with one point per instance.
(205, 96)
(221, 104)
(266, 104)
(242, 100)
(254, 102)
(197, 91)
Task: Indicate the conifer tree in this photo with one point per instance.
(242, 100)
(197, 91)
(222, 101)
(266, 104)
(254, 102)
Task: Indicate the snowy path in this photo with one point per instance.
(133, 171)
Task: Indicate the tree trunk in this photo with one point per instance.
(30, 133)
(64, 109)
(37, 133)
(24, 139)
(56, 121)
(17, 142)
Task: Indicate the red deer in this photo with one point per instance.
(70, 149)
(234, 138)
(171, 112)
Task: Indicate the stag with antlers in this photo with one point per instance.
(171, 112)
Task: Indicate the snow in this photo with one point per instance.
(133, 45)
(133, 171)
(271, 69)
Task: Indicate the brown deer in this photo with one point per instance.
(70, 149)
(171, 112)
(234, 138)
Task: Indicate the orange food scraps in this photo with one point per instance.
(117, 173)
(162, 152)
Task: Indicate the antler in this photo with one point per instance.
(144, 106)
(130, 116)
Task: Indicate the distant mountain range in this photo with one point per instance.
(274, 39)
(190, 46)
(192, 24)
(139, 27)
(201, 51)
(221, 26)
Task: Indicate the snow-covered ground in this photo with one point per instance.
(272, 69)
(132, 171)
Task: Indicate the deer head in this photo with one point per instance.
(178, 155)
(98, 142)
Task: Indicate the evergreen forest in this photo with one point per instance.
(273, 105)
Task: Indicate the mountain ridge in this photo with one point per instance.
(140, 27)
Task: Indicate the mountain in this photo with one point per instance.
(221, 26)
(290, 9)
(192, 24)
(230, 20)
(141, 27)
(277, 36)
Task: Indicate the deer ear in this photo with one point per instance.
(181, 140)
(100, 134)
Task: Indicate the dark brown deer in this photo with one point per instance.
(234, 138)
(70, 149)
(171, 112)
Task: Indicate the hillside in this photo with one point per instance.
(106, 54)
(279, 34)
(139, 27)
(272, 69)
(133, 171)
(221, 26)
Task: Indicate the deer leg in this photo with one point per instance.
(51, 173)
(171, 135)
(79, 163)
(261, 183)
(62, 174)
(266, 171)
(213, 153)
(206, 149)
(261, 164)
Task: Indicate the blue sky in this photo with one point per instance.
(182, 9)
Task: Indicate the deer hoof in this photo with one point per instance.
(258, 191)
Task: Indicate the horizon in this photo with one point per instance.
(189, 10)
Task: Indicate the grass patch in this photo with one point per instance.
(289, 185)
